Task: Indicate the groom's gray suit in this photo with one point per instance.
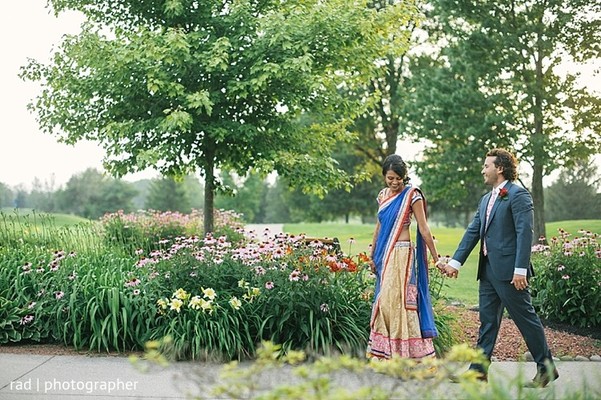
(508, 236)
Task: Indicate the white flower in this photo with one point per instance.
(176, 304)
(209, 293)
(235, 303)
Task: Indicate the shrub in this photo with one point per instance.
(150, 230)
(215, 298)
(567, 281)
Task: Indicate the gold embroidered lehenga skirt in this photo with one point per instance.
(395, 327)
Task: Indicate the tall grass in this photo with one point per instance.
(49, 231)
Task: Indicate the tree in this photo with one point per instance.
(6, 196)
(575, 193)
(246, 195)
(20, 200)
(277, 209)
(91, 194)
(359, 201)
(495, 82)
(168, 194)
(184, 85)
(41, 196)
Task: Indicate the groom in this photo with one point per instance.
(503, 226)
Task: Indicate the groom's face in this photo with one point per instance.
(492, 174)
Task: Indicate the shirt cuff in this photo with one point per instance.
(520, 271)
(455, 264)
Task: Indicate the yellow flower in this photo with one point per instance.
(181, 294)
(255, 291)
(176, 304)
(242, 283)
(206, 305)
(235, 303)
(162, 303)
(195, 303)
(209, 293)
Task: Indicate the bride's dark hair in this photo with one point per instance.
(395, 163)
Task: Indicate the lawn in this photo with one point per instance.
(27, 215)
(465, 288)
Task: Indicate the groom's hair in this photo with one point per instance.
(506, 160)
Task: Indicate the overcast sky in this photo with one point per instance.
(28, 30)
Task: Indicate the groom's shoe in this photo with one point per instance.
(542, 379)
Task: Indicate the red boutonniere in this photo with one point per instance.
(503, 194)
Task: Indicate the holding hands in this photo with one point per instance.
(443, 266)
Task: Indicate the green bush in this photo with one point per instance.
(216, 298)
(149, 230)
(567, 282)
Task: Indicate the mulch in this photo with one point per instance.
(564, 340)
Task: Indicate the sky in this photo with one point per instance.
(29, 30)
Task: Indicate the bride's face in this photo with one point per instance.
(394, 181)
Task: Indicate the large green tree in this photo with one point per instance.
(184, 85)
(495, 81)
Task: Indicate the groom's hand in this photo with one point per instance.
(519, 281)
(450, 271)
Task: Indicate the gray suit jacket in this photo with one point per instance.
(508, 233)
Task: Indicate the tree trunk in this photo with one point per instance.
(538, 151)
(209, 192)
(539, 203)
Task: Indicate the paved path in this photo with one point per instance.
(25, 376)
(265, 231)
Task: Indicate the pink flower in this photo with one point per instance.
(269, 285)
(294, 275)
(324, 308)
(566, 277)
(59, 295)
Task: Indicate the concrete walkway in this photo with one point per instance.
(24, 376)
(265, 231)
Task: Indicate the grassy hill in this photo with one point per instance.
(33, 217)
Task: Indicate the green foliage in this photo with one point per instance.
(248, 197)
(494, 82)
(6, 196)
(80, 298)
(150, 230)
(275, 376)
(21, 227)
(91, 194)
(356, 201)
(216, 85)
(574, 195)
(223, 302)
(567, 284)
(168, 194)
